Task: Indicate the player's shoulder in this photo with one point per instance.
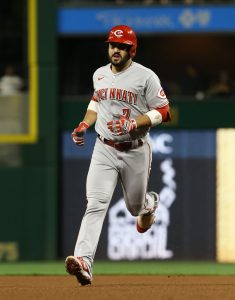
(144, 70)
(101, 70)
(146, 73)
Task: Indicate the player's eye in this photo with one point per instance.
(119, 46)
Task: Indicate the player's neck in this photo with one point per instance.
(117, 69)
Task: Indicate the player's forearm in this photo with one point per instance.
(150, 119)
(143, 121)
(90, 117)
(154, 117)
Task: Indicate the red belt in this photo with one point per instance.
(122, 146)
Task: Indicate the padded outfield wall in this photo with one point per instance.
(183, 172)
(197, 172)
(192, 168)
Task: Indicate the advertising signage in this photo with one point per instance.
(146, 20)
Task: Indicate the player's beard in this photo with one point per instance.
(121, 63)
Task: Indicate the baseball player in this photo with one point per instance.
(128, 100)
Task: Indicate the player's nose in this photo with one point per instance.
(116, 53)
(116, 49)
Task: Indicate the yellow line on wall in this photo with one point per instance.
(17, 139)
(33, 68)
(225, 193)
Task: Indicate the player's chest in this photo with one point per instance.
(118, 88)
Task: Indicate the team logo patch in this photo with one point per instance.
(161, 94)
(118, 33)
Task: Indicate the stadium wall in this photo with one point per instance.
(29, 193)
(33, 224)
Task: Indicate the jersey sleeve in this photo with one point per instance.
(155, 95)
(94, 96)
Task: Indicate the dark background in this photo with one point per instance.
(79, 56)
(167, 55)
(13, 36)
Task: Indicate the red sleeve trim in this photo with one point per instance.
(165, 112)
(94, 99)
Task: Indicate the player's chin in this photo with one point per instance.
(117, 62)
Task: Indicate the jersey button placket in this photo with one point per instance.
(113, 80)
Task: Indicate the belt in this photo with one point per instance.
(121, 146)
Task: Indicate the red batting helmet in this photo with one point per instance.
(125, 35)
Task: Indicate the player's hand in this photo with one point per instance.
(78, 133)
(122, 125)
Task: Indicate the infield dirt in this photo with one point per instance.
(118, 287)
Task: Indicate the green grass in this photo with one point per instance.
(124, 268)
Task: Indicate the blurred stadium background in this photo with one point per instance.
(48, 53)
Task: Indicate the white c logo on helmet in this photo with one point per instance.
(118, 33)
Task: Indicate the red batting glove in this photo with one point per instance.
(122, 126)
(78, 133)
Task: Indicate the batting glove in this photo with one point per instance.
(122, 125)
(78, 133)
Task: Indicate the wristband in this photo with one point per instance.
(155, 117)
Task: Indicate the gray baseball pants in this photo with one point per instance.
(107, 166)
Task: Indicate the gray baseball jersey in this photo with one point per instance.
(131, 93)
